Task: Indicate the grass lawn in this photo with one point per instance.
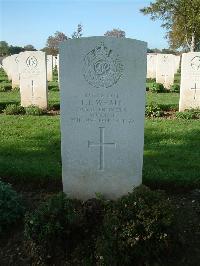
(30, 149)
(30, 145)
(162, 98)
(11, 97)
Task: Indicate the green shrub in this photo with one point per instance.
(11, 208)
(34, 110)
(175, 88)
(55, 227)
(137, 229)
(189, 114)
(13, 109)
(15, 89)
(150, 80)
(5, 86)
(153, 110)
(157, 87)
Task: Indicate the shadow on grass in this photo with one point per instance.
(172, 159)
(34, 162)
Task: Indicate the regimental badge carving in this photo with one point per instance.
(101, 67)
(195, 63)
(165, 58)
(31, 62)
(17, 59)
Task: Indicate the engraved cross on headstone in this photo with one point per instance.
(195, 90)
(101, 146)
(165, 75)
(32, 91)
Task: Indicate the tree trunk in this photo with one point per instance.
(192, 46)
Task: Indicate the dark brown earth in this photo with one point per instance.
(186, 202)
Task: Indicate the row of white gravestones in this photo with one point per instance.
(29, 71)
(162, 67)
(102, 115)
(190, 81)
(33, 78)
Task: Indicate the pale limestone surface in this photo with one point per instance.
(49, 67)
(190, 81)
(151, 65)
(33, 79)
(15, 76)
(102, 115)
(6, 62)
(58, 66)
(177, 62)
(165, 69)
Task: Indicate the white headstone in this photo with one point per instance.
(190, 81)
(102, 115)
(49, 68)
(165, 69)
(151, 65)
(33, 78)
(177, 63)
(15, 70)
(58, 66)
(7, 66)
(54, 61)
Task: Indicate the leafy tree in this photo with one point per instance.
(29, 47)
(78, 32)
(181, 19)
(4, 48)
(116, 33)
(54, 41)
(15, 49)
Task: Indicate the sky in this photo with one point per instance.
(25, 22)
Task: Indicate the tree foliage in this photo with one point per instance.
(78, 33)
(54, 41)
(4, 48)
(181, 18)
(29, 47)
(116, 33)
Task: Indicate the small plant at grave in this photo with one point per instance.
(11, 207)
(14, 109)
(153, 110)
(34, 110)
(5, 86)
(55, 227)
(137, 230)
(175, 88)
(15, 89)
(150, 80)
(189, 114)
(157, 88)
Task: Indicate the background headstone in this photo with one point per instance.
(177, 63)
(165, 69)
(6, 62)
(49, 67)
(102, 115)
(190, 81)
(15, 70)
(151, 65)
(33, 79)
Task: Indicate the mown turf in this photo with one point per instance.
(172, 152)
(30, 149)
(30, 145)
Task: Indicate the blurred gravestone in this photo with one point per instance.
(33, 79)
(190, 81)
(165, 69)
